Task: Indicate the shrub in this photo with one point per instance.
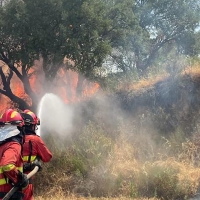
(168, 180)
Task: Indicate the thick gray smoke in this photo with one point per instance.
(55, 116)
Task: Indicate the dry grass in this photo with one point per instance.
(143, 83)
(151, 80)
(61, 196)
(122, 176)
(192, 70)
(89, 198)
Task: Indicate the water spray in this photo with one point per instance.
(55, 116)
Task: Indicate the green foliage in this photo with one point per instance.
(162, 27)
(34, 31)
(93, 164)
(92, 146)
(133, 35)
(82, 31)
(54, 29)
(162, 182)
(115, 81)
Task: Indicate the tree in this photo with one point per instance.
(96, 28)
(162, 24)
(53, 29)
(23, 40)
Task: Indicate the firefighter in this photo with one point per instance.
(34, 149)
(11, 163)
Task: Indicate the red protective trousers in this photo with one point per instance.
(28, 192)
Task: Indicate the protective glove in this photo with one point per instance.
(38, 163)
(27, 167)
(23, 181)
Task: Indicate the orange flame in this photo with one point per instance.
(64, 85)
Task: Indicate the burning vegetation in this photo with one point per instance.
(64, 85)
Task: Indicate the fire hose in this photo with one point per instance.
(15, 188)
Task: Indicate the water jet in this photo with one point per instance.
(55, 116)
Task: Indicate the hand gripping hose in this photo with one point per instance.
(15, 188)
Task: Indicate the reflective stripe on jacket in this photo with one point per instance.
(26, 158)
(38, 149)
(7, 168)
(10, 164)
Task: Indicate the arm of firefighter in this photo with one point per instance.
(43, 152)
(9, 160)
(15, 188)
(16, 177)
(11, 172)
(22, 181)
(27, 167)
